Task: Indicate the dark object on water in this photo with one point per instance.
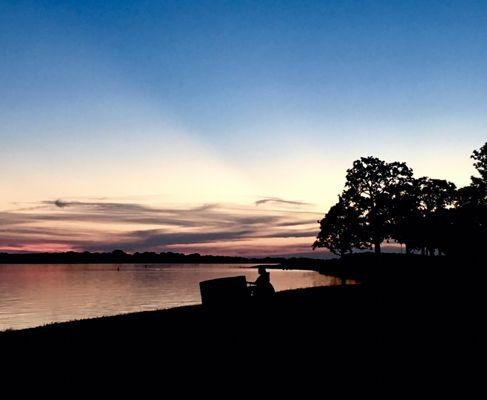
(224, 291)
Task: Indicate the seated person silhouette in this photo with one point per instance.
(262, 287)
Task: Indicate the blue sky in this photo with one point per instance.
(196, 102)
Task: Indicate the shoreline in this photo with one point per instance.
(183, 311)
(303, 295)
(413, 293)
(343, 328)
(120, 257)
(168, 289)
(61, 324)
(382, 274)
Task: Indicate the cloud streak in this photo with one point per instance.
(212, 228)
(277, 200)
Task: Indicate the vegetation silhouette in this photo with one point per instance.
(383, 201)
(120, 257)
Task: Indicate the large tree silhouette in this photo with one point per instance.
(341, 230)
(372, 187)
(382, 200)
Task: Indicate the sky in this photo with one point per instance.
(223, 127)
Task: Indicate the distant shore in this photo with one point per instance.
(120, 257)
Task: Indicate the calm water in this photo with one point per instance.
(32, 295)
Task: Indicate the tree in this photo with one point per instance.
(478, 188)
(475, 194)
(435, 194)
(480, 164)
(405, 215)
(340, 229)
(371, 188)
(468, 228)
(435, 198)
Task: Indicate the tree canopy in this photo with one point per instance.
(371, 188)
(340, 229)
(382, 200)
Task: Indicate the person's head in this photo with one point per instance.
(262, 270)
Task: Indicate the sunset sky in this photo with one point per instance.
(223, 127)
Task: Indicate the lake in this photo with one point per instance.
(33, 295)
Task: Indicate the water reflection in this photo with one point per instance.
(33, 295)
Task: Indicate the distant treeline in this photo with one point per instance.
(119, 256)
(383, 201)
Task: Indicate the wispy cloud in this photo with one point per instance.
(105, 225)
(277, 200)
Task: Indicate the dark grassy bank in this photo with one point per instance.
(305, 338)
(393, 268)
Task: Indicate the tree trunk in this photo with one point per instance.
(408, 249)
(377, 247)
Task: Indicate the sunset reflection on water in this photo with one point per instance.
(33, 295)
